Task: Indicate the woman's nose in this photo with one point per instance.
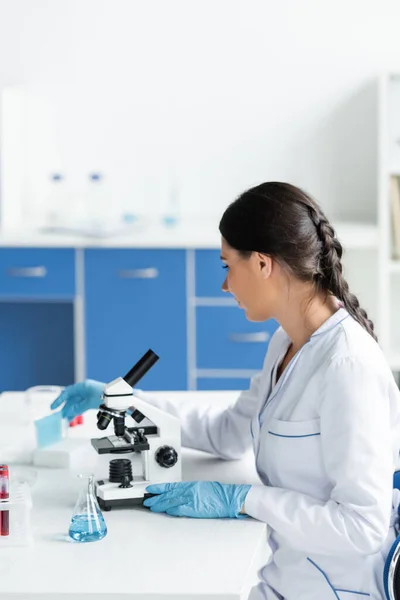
(224, 286)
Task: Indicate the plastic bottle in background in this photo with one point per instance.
(87, 523)
(171, 216)
(97, 203)
(57, 201)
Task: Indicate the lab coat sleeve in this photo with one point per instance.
(357, 451)
(223, 431)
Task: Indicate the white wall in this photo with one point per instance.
(226, 93)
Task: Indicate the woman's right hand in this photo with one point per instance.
(79, 397)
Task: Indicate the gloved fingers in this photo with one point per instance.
(160, 488)
(69, 413)
(167, 497)
(70, 409)
(178, 511)
(187, 510)
(149, 502)
(164, 503)
(63, 397)
(73, 409)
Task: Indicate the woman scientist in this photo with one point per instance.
(323, 416)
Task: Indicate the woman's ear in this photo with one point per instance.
(265, 264)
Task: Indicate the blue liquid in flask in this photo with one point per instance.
(87, 523)
(87, 528)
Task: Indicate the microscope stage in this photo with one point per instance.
(119, 445)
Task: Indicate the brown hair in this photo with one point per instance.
(282, 221)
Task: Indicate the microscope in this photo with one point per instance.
(151, 448)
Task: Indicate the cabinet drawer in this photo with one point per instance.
(37, 272)
(226, 340)
(38, 344)
(136, 300)
(150, 277)
(209, 274)
(223, 383)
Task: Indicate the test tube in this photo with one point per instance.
(4, 496)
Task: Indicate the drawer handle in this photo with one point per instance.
(240, 338)
(27, 272)
(150, 273)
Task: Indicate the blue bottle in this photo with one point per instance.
(87, 523)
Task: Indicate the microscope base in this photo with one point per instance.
(107, 505)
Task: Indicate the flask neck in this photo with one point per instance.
(90, 488)
(86, 488)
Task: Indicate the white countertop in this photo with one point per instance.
(186, 234)
(194, 233)
(145, 556)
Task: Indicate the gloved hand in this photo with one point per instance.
(199, 499)
(79, 397)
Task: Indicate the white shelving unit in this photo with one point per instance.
(369, 264)
(388, 166)
(360, 243)
(355, 236)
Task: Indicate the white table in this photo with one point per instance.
(145, 556)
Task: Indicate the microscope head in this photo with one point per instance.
(118, 394)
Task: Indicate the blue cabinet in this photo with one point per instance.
(136, 300)
(120, 303)
(229, 348)
(46, 273)
(37, 289)
(209, 274)
(225, 339)
(37, 344)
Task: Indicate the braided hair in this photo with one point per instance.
(282, 221)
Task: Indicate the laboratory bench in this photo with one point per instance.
(145, 556)
(75, 308)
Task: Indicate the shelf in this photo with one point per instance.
(394, 362)
(394, 266)
(356, 235)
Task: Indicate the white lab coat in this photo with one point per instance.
(326, 440)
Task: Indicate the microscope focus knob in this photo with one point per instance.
(166, 456)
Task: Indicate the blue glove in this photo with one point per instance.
(79, 397)
(199, 499)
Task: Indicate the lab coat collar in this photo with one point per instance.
(340, 315)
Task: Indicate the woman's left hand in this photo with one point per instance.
(199, 499)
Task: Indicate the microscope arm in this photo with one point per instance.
(223, 431)
(162, 419)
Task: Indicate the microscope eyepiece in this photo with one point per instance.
(141, 368)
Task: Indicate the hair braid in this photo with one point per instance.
(280, 220)
(330, 270)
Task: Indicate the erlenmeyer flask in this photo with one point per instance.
(87, 523)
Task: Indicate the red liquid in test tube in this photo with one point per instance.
(4, 495)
